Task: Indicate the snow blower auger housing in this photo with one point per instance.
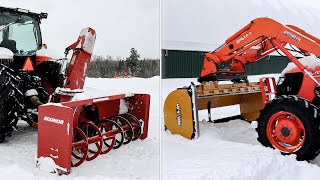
(70, 133)
(287, 112)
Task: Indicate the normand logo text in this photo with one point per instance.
(53, 120)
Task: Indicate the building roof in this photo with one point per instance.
(187, 46)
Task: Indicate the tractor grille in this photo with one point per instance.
(6, 62)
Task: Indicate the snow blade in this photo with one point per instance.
(178, 113)
(72, 132)
(182, 105)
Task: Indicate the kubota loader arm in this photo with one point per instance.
(256, 40)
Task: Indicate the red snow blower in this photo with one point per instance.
(38, 88)
(71, 132)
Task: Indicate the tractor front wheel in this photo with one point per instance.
(290, 124)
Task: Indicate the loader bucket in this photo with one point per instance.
(182, 105)
(73, 132)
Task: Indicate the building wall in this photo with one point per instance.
(188, 64)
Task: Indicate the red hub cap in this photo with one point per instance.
(286, 132)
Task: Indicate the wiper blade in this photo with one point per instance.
(4, 27)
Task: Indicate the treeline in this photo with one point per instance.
(108, 67)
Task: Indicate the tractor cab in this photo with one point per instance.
(20, 33)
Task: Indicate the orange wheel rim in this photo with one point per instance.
(286, 132)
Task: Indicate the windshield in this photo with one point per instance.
(19, 33)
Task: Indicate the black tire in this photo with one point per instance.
(308, 115)
(11, 102)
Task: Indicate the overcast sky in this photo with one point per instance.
(206, 24)
(120, 24)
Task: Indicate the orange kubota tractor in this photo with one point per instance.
(38, 88)
(290, 121)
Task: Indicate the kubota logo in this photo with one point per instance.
(243, 37)
(315, 73)
(292, 36)
(53, 120)
(178, 111)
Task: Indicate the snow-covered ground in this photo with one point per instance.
(226, 150)
(136, 160)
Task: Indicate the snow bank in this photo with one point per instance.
(310, 62)
(229, 151)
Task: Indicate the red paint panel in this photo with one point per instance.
(139, 106)
(41, 59)
(77, 70)
(55, 134)
(108, 108)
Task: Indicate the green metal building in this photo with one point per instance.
(188, 64)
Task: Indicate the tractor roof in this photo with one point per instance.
(37, 16)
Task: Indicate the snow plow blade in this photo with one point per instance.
(182, 105)
(178, 115)
(70, 133)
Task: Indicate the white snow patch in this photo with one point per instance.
(85, 66)
(68, 90)
(49, 53)
(89, 41)
(310, 62)
(123, 107)
(53, 104)
(31, 92)
(5, 53)
(47, 164)
(129, 94)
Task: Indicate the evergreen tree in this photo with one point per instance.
(108, 67)
(132, 61)
(121, 67)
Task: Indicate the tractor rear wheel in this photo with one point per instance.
(290, 124)
(11, 102)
